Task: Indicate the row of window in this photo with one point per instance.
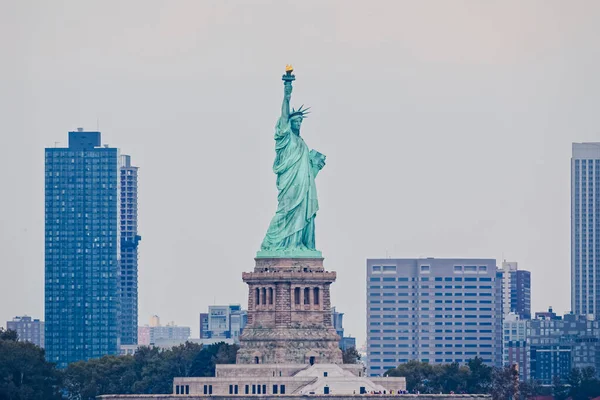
(248, 389)
(430, 287)
(427, 268)
(427, 279)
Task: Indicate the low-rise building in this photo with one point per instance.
(223, 322)
(28, 329)
(557, 345)
(150, 334)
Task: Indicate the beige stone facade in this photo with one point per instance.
(289, 314)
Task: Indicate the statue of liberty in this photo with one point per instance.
(292, 229)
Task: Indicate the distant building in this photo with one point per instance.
(585, 231)
(337, 319)
(81, 249)
(556, 345)
(516, 290)
(28, 330)
(128, 314)
(223, 322)
(432, 310)
(347, 342)
(515, 349)
(154, 333)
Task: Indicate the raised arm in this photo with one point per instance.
(285, 107)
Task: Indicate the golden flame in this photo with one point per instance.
(289, 68)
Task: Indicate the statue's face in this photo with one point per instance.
(296, 123)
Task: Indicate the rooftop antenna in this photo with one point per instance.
(56, 144)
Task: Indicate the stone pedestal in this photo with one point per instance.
(289, 314)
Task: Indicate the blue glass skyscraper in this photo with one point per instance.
(81, 249)
(585, 229)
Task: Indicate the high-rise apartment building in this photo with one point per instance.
(432, 310)
(585, 229)
(515, 349)
(81, 249)
(516, 290)
(128, 314)
(28, 330)
(223, 321)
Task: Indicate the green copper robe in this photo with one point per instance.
(292, 229)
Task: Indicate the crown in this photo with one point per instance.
(300, 112)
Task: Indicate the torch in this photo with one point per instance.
(288, 77)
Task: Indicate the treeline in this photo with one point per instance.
(501, 383)
(26, 375)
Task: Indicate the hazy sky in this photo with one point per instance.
(447, 127)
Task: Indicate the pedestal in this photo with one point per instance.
(289, 314)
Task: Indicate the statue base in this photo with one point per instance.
(292, 253)
(289, 313)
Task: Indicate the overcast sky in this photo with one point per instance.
(447, 128)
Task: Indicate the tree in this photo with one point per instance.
(8, 335)
(505, 383)
(583, 384)
(350, 356)
(418, 376)
(85, 380)
(560, 391)
(479, 379)
(24, 372)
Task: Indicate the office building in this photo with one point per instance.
(28, 330)
(224, 322)
(515, 350)
(128, 315)
(585, 229)
(516, 290)
(432, 310)
(81, 249)
(155, 333)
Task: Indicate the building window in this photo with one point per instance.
(205, 389)
(274, 389)
(376, 268)
(257, 296)
(177, 389)
(235, 390)
(306, 296)
(316, 294)
(264, 296)
(297, 295)
(389, 268)
(271, 296)
(247, 389)
(425, 269)
(264, 389)
(253, 389)
(230, 389)
(281, 389)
